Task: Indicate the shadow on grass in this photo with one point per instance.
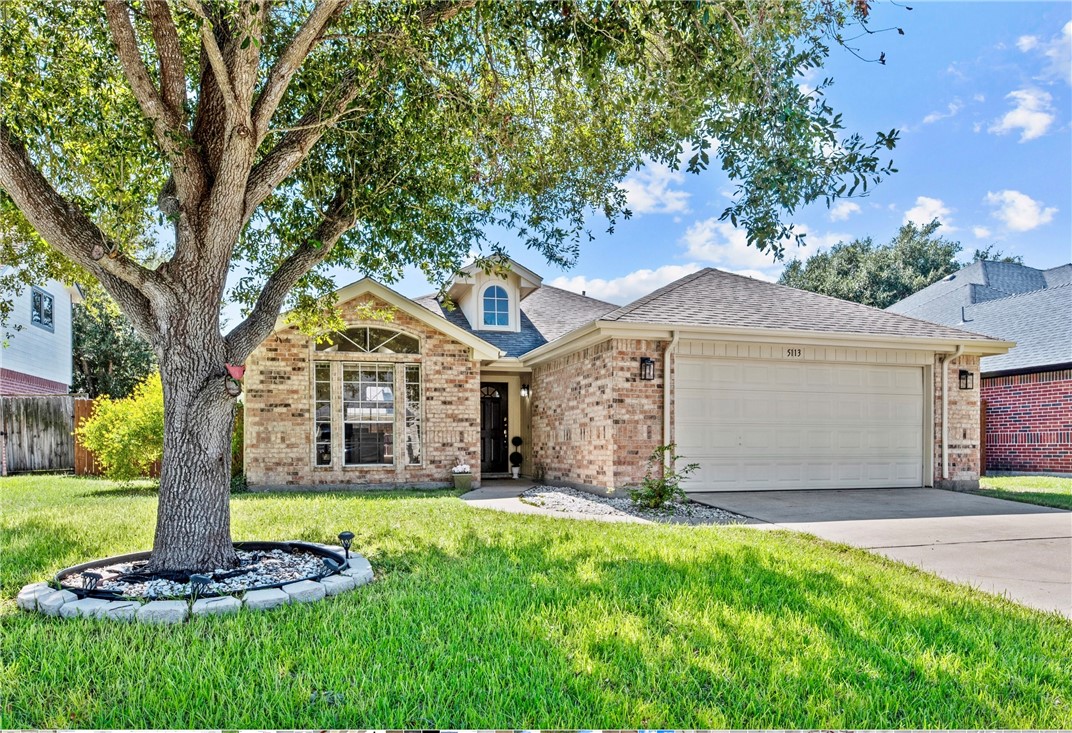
(531, 623)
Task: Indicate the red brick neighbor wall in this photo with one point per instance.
(963, 436)
(594, 422)
(1029, 422)
(279, 407)
(18, 383)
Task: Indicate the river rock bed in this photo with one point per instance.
(257, 568)
(574, 501)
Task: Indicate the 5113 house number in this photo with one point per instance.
(794, 352)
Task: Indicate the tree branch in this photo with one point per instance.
(290, 60)
(295, 145)
(169, 51)
(245, 337)
(152, 106)
(215, 56)
(62, 224)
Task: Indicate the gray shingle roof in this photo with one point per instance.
(1008, 301)
(546, 314)
(1039, 322)
(712, 297)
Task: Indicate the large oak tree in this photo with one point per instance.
(278, 138)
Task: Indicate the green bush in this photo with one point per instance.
(661, 484)
(127, 435)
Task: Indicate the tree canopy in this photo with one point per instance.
(878, 275)
(110, 358)
(158, 145)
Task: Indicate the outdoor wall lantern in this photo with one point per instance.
(647, 368)
(525, 390)
(345, 538)
(967, 379)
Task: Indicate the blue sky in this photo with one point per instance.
(981, 94)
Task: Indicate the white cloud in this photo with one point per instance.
(719, 242)
(628, 287)
(1057, 50)
(1026, 43)
(1032, 114)
(650, 191)
(981, 232)
(1018, 211)
(842, 210)
(819, 241)
(926, 210)
(951, 110)
(978, 97)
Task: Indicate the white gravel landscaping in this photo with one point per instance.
(266, 567)
(573, 501)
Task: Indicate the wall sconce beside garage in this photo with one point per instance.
(967, 379)
(647, 368)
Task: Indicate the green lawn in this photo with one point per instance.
(481, 620)
(1044, 490)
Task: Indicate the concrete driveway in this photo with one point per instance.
(1018, 550)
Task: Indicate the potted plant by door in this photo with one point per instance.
(463, 477)
(516, 457)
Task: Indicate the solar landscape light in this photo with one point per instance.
(345, 538)
(91, 580)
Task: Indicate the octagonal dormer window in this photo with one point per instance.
(496, 306)
(370, 340)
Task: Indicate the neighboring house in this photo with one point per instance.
(765, 386)
(35, 351)
(1028, 391)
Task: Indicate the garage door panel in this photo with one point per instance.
(770, 425)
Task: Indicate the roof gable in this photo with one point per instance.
(367, 286)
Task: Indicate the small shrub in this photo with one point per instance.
(127, 435)
(239, 485)
(661, 483)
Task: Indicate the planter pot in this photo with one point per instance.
(463, 481)
(516, 471)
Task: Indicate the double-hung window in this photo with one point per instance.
(368, 412)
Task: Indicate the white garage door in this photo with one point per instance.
(767, 425)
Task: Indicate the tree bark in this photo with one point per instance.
(193, 525)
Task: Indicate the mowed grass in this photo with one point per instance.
(480, 620)
(1045, 490)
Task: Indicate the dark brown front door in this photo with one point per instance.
(493, 454)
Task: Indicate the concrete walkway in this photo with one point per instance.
(1017, 550)
(504, 496)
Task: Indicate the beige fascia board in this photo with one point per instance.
(508, 364)
(601, 330)
(367, 286)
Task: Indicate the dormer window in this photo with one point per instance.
(496, 306)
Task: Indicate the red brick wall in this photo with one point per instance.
(17, 383)
(1029, 422)
(594, 422)
(279, 405)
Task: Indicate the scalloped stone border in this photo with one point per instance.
(44, 599)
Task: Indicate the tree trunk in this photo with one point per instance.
(193, 523)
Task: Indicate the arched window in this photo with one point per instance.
(496, 306)
(369, 340)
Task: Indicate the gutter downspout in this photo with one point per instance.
(945, 359)
(667, 353)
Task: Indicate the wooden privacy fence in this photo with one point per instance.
(38, 433)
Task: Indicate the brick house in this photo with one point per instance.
(1028, 391)
(766, 387)
(36, 341)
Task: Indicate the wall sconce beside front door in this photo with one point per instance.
(647, 368)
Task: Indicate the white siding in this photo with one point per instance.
(37, 351)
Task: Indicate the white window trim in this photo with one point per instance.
(509, 309)
(51, 328)
(393, 421)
